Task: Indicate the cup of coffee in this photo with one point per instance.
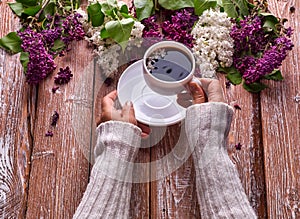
(168, 66)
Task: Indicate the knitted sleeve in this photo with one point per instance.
(109, 190)
(219, 190)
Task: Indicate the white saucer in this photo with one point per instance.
(150, 108)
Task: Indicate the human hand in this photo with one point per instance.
(126, 114)
(210, 91)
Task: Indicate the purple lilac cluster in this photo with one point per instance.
(39, 44)
(72, 29)
(178, 28)
(41, 63)
(151, 29)
(257, 53)
(63, 76)
(51, 34)
(271, 59)
(249, 35)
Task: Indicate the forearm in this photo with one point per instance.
(219, 189)
(109, 190)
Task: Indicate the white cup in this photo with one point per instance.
(167, 87)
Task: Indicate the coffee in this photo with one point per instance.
(169, 64)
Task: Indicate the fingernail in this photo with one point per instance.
(129, 103)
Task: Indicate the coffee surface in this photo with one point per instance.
(173, 66)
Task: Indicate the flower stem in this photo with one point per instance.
(37, 16)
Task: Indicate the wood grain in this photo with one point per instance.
(60, 165)
(281, 126)
(16, 121)
(246, 130)
(173, 189)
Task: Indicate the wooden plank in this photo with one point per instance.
(16, 119)
(173, 192)
(246, 130)
(60, 165)
(281, 125)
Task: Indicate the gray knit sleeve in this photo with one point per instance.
(109, 190)
(219, 190)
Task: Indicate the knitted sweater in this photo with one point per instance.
(219, 190)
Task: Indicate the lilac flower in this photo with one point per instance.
(72, 29)
(151, 28)
(49, 134)
(238, 146)
(179, 27)
(289, 31)
(271, 59)
(258, 53)
(249, 35)
(50, 35)
(227, 84)
(41, 63)
(54, 118)
(63, 76)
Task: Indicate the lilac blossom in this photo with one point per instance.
(179, 27)
(41, 63)
(72, 29)
(271, 59)
(151, 28)
(249, 35)
(63, 76)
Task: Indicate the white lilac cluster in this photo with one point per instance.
(213, 46)
(135, 39)
(107, 49)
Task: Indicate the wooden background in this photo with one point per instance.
(44, 177)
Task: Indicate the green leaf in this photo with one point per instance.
(124, 9)
(106, 7)
(95, 15)
(104, 34)
(275, 75)
(254, 87)
(58, 45)
(120, 30)
(202, 5)
(236, 8)
(31, 11)
(270, 21)
(232, 74)
(144, 8)
(11, 42)
(28, 2)
(17, 8)
(24, 59)
(176, 4)
(48, 10)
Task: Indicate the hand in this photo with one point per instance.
(126, 114)
(210, 91)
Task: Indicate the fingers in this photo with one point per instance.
(145, 130)
(128, 112)
(197, 93)
(213, 89)
(109, 100)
